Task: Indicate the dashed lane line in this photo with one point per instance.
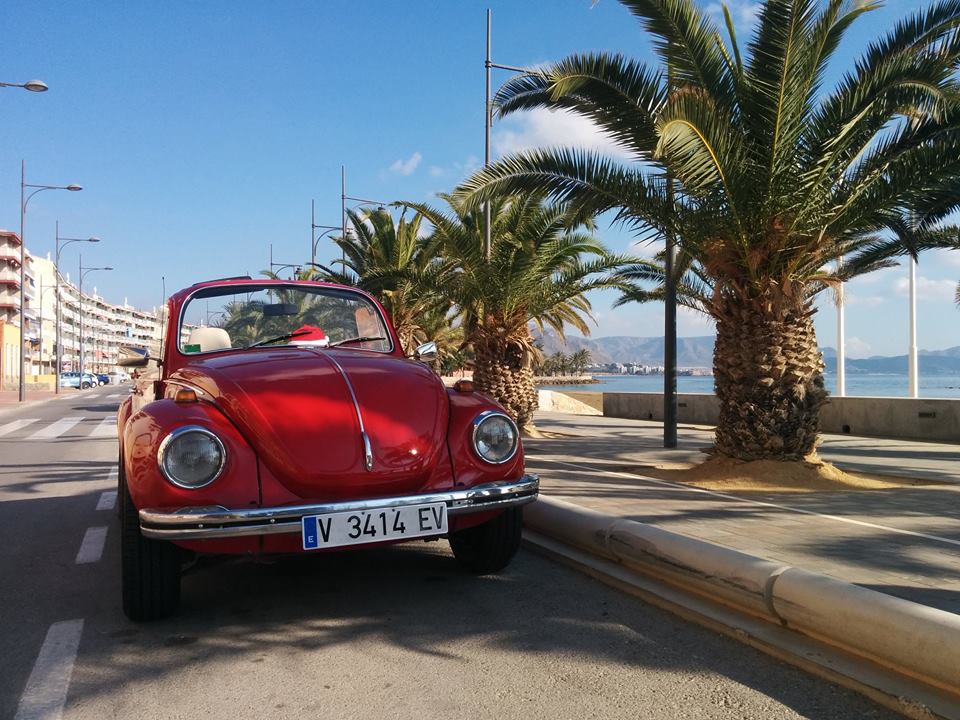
(533, 459)
(108, 500)
(15, 425)
(107, 428)
(46, 690)
(91, 549)
(56, 429)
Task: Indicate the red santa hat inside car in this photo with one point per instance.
(310, 335)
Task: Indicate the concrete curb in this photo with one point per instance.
(899, 638)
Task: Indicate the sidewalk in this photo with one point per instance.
(902, 541)
(10, 399)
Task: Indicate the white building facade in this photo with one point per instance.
(106, 326)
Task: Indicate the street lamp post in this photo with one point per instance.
(83, 272)
(488, 124)
(24, 199)
(62, 242)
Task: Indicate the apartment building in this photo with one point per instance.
(106, 326)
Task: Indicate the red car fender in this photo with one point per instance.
(123, 414)
(468, 468)
(237, 485)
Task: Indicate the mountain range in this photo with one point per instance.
(697, 352)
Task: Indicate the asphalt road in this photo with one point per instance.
(392, 633)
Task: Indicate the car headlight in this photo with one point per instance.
(495, 437)
(191, 457)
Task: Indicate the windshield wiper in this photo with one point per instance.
(278, 338)
(362, 338)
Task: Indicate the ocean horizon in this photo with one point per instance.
(858, 384)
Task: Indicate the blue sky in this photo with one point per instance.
(201, 131)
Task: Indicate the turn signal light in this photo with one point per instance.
(464, 386)
(185, 395)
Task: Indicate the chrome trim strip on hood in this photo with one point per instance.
(218, 522)
(364, 438)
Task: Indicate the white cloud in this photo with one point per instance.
(541, 128)
(743, 12)
(691, 322)
(435, 171)
(645, 249)
(939, 258)
(406, 167)
(856, 348)
(935, 290)
(868, 301)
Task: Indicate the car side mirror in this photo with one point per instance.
(426, 352)
(133, 357)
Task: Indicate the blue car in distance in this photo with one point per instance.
(74, 380)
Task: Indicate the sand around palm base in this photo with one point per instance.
(810, 475)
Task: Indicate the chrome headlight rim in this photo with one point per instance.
(178, 432)
(483, 417)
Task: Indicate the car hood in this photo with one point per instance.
(295, 407)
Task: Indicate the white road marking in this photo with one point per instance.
(106, 428)
(56, 429)
(47, 686)
(14, 426)
(91, 549)
(108, 500)
(686, 488)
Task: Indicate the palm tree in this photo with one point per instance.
(375, 251)
(540, 266)
(579, 361)
(762, 176)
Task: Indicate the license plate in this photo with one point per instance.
(360, 527)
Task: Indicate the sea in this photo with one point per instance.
(858, 384)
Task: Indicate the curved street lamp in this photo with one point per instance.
(62, 242)
(83, 272)
(314, 238)
(31, 85)
(24, 199)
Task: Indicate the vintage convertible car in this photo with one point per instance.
(298, 425)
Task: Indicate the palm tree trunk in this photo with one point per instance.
(769, 379)
(500, 372)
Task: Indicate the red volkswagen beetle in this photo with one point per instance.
(295, 424)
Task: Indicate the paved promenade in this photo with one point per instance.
(903, 541)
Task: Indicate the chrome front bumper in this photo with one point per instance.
(200, 523)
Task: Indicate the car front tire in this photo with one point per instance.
(84, 386)
(489, 547)
(150, 569)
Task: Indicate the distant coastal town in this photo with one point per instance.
(637, 369)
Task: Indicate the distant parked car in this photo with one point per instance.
(118, 376)
(102, 379)
(73, 380)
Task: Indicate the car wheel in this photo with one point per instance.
(491, 546)
(150, 569)
(84, 386)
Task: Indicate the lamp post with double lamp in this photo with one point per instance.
(24, 199)
(357, 202)
(83, 273)
(314, 238)
(62, 242)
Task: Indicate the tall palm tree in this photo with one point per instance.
(541, 264)
(762, 176)
(376, 250)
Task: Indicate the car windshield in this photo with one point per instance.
(243, 316)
